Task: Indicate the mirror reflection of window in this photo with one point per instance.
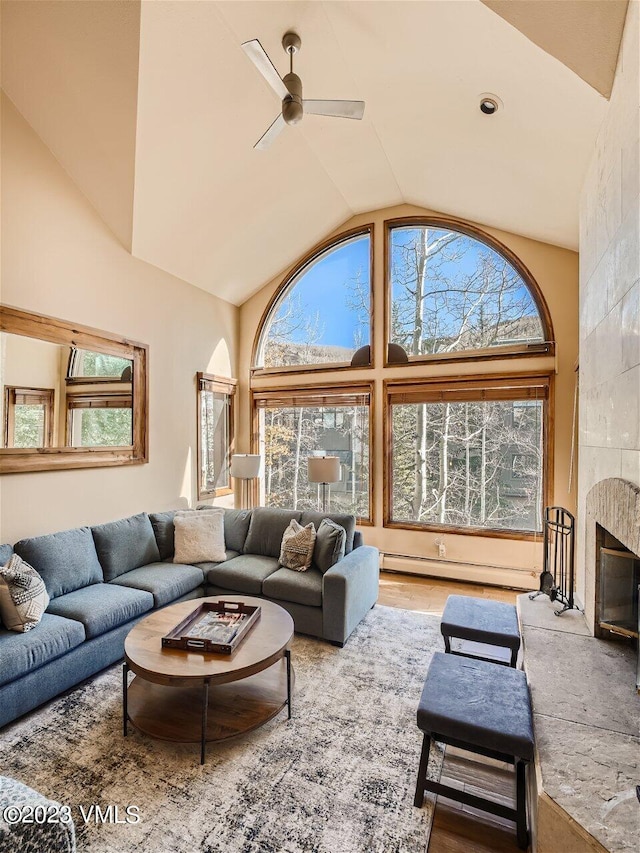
(85, 364)
(28, 418)
(100, 421)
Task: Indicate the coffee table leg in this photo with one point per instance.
(205, 708)
(125, 711)
(287, 654)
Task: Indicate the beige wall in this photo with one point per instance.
(610, 295)
(495, 560)
(60, 259)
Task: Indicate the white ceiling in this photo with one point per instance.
(211, 210)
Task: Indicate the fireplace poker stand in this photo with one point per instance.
(557, 576)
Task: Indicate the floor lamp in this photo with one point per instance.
(323, 470)
(245, 467)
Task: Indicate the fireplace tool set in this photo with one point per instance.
(557, 576)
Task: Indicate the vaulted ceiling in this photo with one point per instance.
(153, 109)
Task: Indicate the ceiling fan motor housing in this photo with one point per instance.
(292, 110)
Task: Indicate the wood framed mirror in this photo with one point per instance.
(72, 396)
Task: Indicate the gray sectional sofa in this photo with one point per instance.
(102, 580)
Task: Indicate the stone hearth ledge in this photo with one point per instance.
(586, 715)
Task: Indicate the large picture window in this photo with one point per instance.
(451, 294)
(323, 314)
(468, 455)
(296, 425)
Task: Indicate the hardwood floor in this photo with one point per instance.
(457, 828)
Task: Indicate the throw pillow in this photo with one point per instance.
(331, 541)
(199, 537)
(296, 551)
(23, 595)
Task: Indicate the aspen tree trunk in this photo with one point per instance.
(467, 466)
(420, 482)
(296, 462)
(444, 463)
(483, 468)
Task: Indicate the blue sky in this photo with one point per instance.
(323, 287)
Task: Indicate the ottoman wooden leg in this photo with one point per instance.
(422, 771)
(521, 806)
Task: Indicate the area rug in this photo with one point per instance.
(337, 778)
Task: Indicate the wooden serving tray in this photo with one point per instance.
(199, 631)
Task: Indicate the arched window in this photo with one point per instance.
(322, 314)
(452, 293)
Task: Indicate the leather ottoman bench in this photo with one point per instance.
(482, 708)
(479, 620)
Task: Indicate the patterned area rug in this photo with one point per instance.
(337, 778)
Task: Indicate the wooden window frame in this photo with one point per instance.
(539, 386)
(544, 348)
(300, 267)
(41, 397)
(336, 394)
(218, 385)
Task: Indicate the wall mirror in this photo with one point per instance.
(72, 397)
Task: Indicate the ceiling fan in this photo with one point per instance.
(289, 89)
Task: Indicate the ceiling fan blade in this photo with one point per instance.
(265, 66)
(267, 138)
(339, 109)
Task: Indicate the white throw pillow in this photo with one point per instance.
(23, 595)
(199, 536)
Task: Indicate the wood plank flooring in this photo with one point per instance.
(457, 828)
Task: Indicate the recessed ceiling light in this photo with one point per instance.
(489, 104)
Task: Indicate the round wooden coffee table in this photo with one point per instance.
(193, 697)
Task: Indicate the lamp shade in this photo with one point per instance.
(323, 469)
(245, 466)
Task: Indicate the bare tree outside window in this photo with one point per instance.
(468, 464)
(450, 292)
(293, 433)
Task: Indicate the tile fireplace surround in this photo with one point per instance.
(614, 505)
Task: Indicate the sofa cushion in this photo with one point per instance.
(236, 527)
(162, 523)
(65, 561)
(6, 552)
(244, 573)
(22, 653)
(266, 529)
(330, 545)
(125, 544)
(165, 581)
(207, 566)
(300, 587)
(23, 595)
(102, 606)
(342, 518)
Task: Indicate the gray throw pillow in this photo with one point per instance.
(297, 546)
(330, 545)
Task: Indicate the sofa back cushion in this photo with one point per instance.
(125, 544)
(162, 523)
(6, 552)
(266, 529)
(236, 526)
(342, 518)
(65, 561)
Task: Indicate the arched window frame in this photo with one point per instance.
(547, 347)
(289, 282)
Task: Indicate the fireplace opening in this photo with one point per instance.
(619, 574)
